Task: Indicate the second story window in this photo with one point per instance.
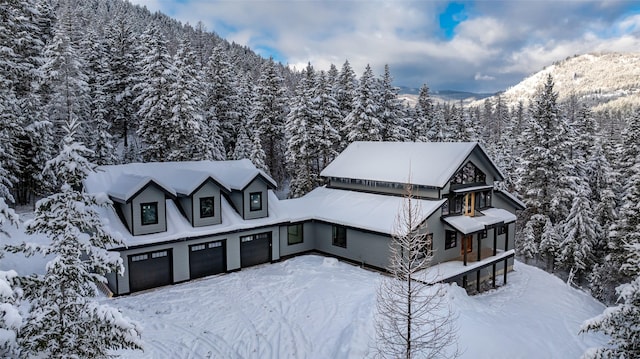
(255, 201)
(469, 174)
(149, 213)
(206, 207)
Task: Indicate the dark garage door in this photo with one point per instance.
(255, 249)
(149, 270)
(207, 259)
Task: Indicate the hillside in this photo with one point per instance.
(606, 81)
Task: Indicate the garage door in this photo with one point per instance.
(207, 259)
(255, 249)
(149, 270)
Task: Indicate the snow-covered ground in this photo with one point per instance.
(317, 307)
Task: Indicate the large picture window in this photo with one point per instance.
(450, 239)
(255, 201)
(207, 207)
(294, 234)
(149, 213)
(339, 237)
(469, 174)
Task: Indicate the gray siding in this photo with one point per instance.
(126, 213)
(362, 247)
(236, 201)
(209, 189)
(187, 207)
(181, 256)
(308, 240)
(150, 194)
(257, 185)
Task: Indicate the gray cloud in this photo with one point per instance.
(498, 44)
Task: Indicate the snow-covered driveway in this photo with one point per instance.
(316, 307)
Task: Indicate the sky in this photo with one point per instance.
(477, 46)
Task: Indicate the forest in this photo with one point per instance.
(136, 86)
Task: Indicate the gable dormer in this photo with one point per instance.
(252, 200)
(202, 204)
(141, 202)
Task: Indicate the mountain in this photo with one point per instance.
(605, 81)
(410, 95)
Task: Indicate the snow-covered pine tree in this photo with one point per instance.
(222, 98)
(123, 76)
(413, 319)
(158, 73)
(527, 245)
(345, 94)
(363, 122)
(63, 320)
(10, 317)
(391, 111)
(268, 112)
(622, 321)
(243, 143)
(329, 120)
(580, 234)
(423, 116)
(187, 135)
(302, 137)
(64, 74)
(257, 155)
(549, 243)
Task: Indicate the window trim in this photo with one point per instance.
(142, 211)
(448, 243)
(251, 208)
(213, 206)
(337, 239)
(300, 235)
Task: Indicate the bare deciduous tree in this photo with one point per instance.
(414, 318)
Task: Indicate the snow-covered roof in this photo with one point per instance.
(487, 217)
(123, 181)
(373, 212)
(178, 226)
(421, 163)
(127, 185)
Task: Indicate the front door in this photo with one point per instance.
(467, 244)
(469, 205)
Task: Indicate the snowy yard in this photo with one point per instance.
(316, 307)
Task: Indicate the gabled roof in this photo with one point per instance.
(423, 163)
(123, 181)
(127, 186)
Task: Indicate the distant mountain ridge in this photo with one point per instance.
(604, 81)
(410, 95)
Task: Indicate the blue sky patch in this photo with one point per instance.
(454, 14)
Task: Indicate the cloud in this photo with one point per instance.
(508, 39)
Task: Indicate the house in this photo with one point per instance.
(184, 220)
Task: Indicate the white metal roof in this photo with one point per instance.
(373, 212)
(420, 163)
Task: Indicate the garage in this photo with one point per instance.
(255, 249)
(149, 270)
(207, 259)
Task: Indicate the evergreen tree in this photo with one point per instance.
(329, 120)
(257, 155)
(391, 111)
(549, 242)
(188, 135)
(122, 55)
(363, 123)
(267, 115)
(302, 142)
(423, 116)
(580, 234)
(63, 321)
(243, 143)
(222, 96)
(345, 96)
(154, 108)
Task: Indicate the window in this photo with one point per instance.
(428, 247)
(450, 240)
(445, 208)
(500, 229)
(483, 199)
(149, 213)
(206, 207)
(294, 234)
(339, 236)
(469, 173)
(255, 201)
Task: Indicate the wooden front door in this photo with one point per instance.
(467, 244)
(469, 204)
